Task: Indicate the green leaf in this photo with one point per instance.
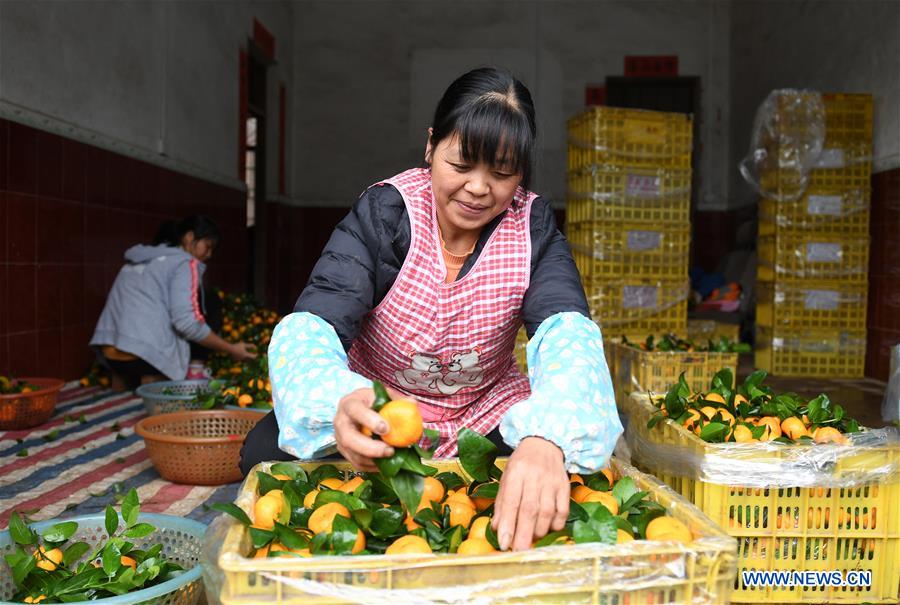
(427, 516)
(294, 471)
(112, 521)
(753, 381)
(486, 490)
(598, 482)
(21, 533)
(292, 495)
(576, 512)
(234, 510)
(724, 378)
(640, 521)
(851, 426)
(139, 530)
(410, 461)
(450, 480)
(390, 466)
(713, 432)
(552, 537)
(74, 552)
(476, 453)
(131, 508)
(347, 500)
(409, 487)
(266, 483)
(22, 569)
(491, 536)
(343, 535)
(60, 532)
(325, 471)
(584, 531)
(112, 558)
(631, 502)
(454, 538)
(756, 431)
(290, 538)
(381, 396)
(386, 522)
(624, 525)
(260, 537)
(80, 582)
(363, 518)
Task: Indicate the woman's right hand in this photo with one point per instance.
(355, 412)
(242, 351)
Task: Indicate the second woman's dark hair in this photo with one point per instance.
(202, 226)
(493, 114)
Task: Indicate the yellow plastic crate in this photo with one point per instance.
(584, 210)
(823, 210)
(638, 572)
(607, 250)
(630, 137)
(848, 118)
(797, 255)
(631, 185)
(813, 353)
(789, 528)
(811, 304)
(703, 330)
(619, 301)
(656, 371)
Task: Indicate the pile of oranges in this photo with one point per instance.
(325, 512)
(12, 386)
(753, 413)
(243, 320)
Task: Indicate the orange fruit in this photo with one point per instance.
(350, 486)
(404, 423)
(409, 545)
(710, 412)
(331, 483)
(665, 529)
(263, 552)
(579, 493)
(742, 434)
(432, 491)
(245, 400)
(609, 475)
(460, 495)
(714, 397)
(281, 477)
(623, 536)
(479, 526)
(128, 561)
(689, 423)
(828, 434)
(310, 498)
(739, 399)
(266, 510)
(360, 543)
(410, 523)
(774, 428)
(36, 599)
(604, 498)
(323, 517)
(475, 546)
(48, 559)
(461, 513)
(576, 478)
(793, 427)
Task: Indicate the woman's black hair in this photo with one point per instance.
(202, 226)
(493, 114)
(166, 233)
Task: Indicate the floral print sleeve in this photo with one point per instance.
(572, 403)
(309, 375)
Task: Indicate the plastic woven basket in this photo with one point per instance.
(197, 448)
(25, 410)
(170, 396)
(181, 540)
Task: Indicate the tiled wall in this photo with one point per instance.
(884, 273)
(67, 213)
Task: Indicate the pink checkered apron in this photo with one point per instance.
(449, 345)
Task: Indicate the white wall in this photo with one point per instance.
(158, 80)
(371, 73)
(831, 46)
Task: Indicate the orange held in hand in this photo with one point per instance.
(404, 420)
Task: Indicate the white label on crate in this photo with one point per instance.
(821, 300)
(639, 297)
(824, 204)
(831, 158)
(818, 252)
(641, 185)
(640, 241)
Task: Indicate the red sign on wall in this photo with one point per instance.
(651, 66)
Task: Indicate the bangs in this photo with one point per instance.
(496, 134)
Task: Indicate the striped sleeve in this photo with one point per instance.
(184, 306)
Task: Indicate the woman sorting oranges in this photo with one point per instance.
(423, 286)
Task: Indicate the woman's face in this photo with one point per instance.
(468, 196)
(201, 249)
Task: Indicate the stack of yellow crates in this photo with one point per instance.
(628, 217)
(814, 249)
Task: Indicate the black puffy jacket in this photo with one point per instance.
(366, 251)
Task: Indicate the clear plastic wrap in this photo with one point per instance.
(644, 250)
(890, 407)
(825, 209)
(664, 572)
(807, 351)
(788, 137)
(873, 456)
(801, 255)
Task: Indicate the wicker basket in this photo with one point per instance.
(197, 448)
(170, 396)
(181, 540)
(25, 410)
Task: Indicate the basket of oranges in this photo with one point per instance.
(27, 402)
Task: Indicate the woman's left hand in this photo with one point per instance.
(533, 496)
